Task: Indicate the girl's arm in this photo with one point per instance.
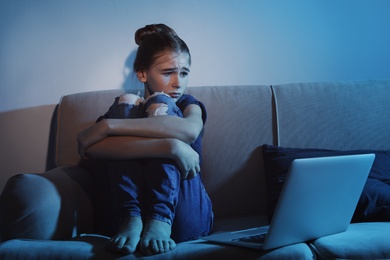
(127, 147)
(186, 129)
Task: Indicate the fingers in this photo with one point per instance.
(91, 136)
(192, 172)
(80, 149)
(184, 175)
(197, 168)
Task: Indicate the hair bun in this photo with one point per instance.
(144, 32)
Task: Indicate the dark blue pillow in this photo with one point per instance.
(374, 203)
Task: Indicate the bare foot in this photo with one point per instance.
(156, 238)
(127, 239)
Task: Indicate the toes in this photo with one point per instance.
(153, 247)
(172, 244)
(115, 244)
(160, 247)
(129, 247)
(146, 248)
(149, 248)
(126, 240)
(122, 245)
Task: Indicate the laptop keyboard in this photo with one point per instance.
(258, 239)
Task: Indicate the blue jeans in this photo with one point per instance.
(170, 105)
(152, 188)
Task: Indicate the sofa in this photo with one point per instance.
(251, 135)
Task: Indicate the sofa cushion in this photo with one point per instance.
(374, 203)
(91, 246)
(55, 249)
(26, 209)
(52, 205)
(342, 115)
(360, 241)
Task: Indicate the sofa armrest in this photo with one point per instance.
(53, 205)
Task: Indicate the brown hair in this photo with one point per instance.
(154, 39)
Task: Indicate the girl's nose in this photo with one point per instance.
(176, 81)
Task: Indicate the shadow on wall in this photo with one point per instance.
(131, 81)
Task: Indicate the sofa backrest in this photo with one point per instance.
(335, 115)
(239, 121)
(75, 113)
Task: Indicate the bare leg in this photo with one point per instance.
(128, 237)
(156, 238)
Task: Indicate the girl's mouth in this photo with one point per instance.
(174, 95)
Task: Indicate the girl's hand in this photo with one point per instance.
(91, 136)
(187, 160)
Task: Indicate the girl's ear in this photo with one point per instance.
(141, 75)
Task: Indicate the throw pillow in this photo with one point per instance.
(374, 203)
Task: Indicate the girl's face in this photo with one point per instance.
(168, 74)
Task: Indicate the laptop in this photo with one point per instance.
(318, 199)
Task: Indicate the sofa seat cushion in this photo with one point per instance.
(374, 203)
(368, 240)
(93, 247)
